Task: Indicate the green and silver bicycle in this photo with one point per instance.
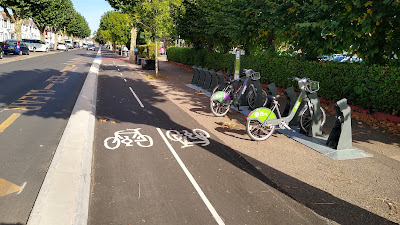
(261, 122)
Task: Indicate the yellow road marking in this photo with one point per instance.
(8, 122)
(8, 187)
(49, 86)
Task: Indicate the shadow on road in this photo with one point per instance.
(315, 199)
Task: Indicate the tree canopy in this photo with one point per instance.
(366, 28)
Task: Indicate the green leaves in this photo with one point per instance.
(115, 27)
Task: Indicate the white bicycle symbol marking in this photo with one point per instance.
(127, 137)
(187, 139)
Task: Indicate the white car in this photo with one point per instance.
(69, 44)
(62, 46)
(91, 47)
(36, 45)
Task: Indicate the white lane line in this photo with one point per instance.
(134, 94)
(125, 80)
(192, 180)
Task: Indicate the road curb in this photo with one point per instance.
(64, 195)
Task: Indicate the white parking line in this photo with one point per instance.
(192, 180)
(134, 94)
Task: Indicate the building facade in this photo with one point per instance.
(7, 29)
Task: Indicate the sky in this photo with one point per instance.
(92, 10)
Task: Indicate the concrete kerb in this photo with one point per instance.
(64, 195)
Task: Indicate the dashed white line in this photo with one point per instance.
(134, 94)
(125, 80)
(192, 180)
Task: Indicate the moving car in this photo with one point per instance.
(62, 46)
(36, 45)
(15, 47)
(91, 47)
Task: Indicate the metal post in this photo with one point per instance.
(207, 79)
(316, 129)
(291, 98)
(340, 137)
(272, 90)
(213, 80)
(195, 78)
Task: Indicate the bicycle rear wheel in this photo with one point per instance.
(219, 108)
(306, 120)
(252, 97)
(257, 131)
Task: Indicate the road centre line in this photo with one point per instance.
(134, 94)
(192, 180)
(49, 86)
(9, 121)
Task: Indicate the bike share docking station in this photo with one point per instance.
(337, 146)
(205, 80)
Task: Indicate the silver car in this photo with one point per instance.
(36, 45)
(91, 47)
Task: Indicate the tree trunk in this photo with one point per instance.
(62, 36)
(133, 44)
(156, 57)
(113, 44)
(55, 40)
(18, 28)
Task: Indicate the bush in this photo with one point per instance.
(148, 50)
(374, 87)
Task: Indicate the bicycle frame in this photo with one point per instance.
(269, 118)
(224, 97)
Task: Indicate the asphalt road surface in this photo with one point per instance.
(154, 164)
(37, 95)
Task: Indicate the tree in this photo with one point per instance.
(46, 15)
(64, 16)
(129, 7)
(115, 27)
(157, 17)
(21, 9)
(78, 26)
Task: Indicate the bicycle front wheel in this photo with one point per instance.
(306, 120)
(219, 108)
(257, 131)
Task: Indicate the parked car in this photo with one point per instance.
(15, 47)
(62, 46)
(36, 45)
(69, 44)
(84, 45)
(91, 47)
(1, 50)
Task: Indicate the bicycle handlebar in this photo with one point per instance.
(306, 84)
(251, 73)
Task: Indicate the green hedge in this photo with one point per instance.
(149, 49)
(374, 87)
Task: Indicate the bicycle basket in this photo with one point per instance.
(313, 86)
(255, 76)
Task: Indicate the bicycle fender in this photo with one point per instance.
(262, 114)
(220, 96)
